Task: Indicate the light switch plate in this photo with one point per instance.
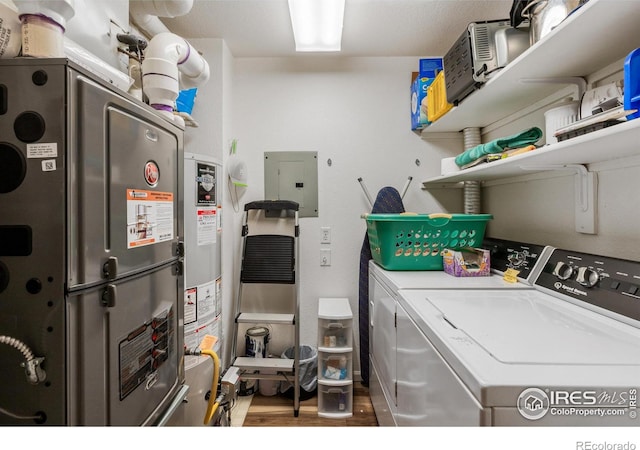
(325, 257)
(325, 235)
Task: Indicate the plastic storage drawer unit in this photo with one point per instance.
(334, 333)
(335, 350)
(335, 401)
(335, 366)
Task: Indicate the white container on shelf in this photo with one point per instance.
(41, 37)
(561, 115)
(43, 26)
(10, 29)
(448, 165)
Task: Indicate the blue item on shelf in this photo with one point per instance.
(186, 99)
(632, 83)
(429, 68)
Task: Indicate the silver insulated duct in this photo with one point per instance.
(472, 196)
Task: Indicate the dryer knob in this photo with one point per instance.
(517, 258)
(587, 277)
(563, 271)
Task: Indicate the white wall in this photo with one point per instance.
(208, 109)
(540, 208)
(356, 113)
(95, 26)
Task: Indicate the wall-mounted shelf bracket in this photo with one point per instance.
(580, 82)
(585, 194)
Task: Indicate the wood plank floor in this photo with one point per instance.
(277, 411)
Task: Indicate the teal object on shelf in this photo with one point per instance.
(522, 139)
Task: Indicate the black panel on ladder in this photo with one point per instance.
(272, 205)
(268, 259)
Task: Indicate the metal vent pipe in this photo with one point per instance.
(471, 189)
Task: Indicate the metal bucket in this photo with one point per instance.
(545, 15)
(256, 341)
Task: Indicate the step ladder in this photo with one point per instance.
(268, 294)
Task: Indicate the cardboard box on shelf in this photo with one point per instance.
(467, 262)
(427, 70)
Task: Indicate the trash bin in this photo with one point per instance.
(308, 373)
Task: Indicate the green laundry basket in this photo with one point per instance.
(415, 241)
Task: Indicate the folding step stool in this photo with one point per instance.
(269, 257)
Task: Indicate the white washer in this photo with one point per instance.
(566, 353)
(391, 358)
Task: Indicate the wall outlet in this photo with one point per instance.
(325, 257)
(325, 235)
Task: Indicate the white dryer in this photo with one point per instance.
(395, 363)
(565, 353)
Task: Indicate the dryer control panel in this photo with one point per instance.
(609, 283)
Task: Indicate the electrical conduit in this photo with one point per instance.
(35, 373)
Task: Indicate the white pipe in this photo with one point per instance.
(168, 60)
(60, 11)
(145, 13)
(149, 25)
(194, 71)
(162, 8)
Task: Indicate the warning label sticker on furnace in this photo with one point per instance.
(42, 150)
(150, 217)
(144, 350)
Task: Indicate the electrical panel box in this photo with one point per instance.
(293, 176)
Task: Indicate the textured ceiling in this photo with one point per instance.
(261, 28)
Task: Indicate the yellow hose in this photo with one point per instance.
(212, 405)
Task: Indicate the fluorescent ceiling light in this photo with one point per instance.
(317, 24)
